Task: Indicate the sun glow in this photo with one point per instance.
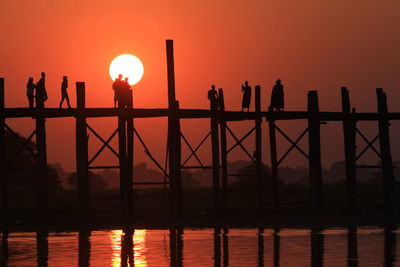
(129, 66)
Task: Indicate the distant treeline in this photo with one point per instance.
(59, 179)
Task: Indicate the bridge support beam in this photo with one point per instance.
(82, 166)
(174, 140)
(224, 154)
(258, 152)
(349, 134)
(274, 163)
(3, 158)
(314, 142)
(41, 163)
(386, 156)
(215, 158)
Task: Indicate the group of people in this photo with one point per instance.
(38, 91)
(121, 91)
(277, 102)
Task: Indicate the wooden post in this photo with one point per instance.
(41, 157)
(215, 158)
(129, 178)
(224, 154)
(314, 143)
(82, 171)
(260, 176)
(277, 247)
(317, 247)
(123, 169)
(217, 247)
(349, 134)
(386, 156)
(274, 162)
(174, 138)
(3, 158)
(42, 245)
(352, 251)
(84, 248)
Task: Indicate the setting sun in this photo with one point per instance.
(129, 66)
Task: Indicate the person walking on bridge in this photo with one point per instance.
(41, 94)
(64, 93)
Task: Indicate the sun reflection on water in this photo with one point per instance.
(139, 248)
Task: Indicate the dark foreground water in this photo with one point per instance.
(354, 246)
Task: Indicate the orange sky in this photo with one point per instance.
(309, 44)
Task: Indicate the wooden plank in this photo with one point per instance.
(258, 152)
(82, 170)
(386, 156)
(3, 160)
(314, 142)
(224, 153)
(274, 162)
(349, 134)
(215, 158)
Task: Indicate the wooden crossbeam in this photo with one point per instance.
(197, 148)
(105, 143)
(370, 144)
(291, 141)
(240, 144)
(23, 145)
(147, 151)
(294, 144)
(241, 139)
(191, 149)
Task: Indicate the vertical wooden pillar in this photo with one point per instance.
(82, 170)
(386, 156)
(41, 157)
(260, 246)
(314, 143)
(225, 246)
(128, 190)
(42, 246)
(217, 247)
(3, 158)
(257, 154)
(317, 248)
(224, 154)
(277, 247)
(123, 168)
(215, 158)
(84, 248)
(352, 250)
(349, 134)
(174, 138)
(274, 161)
(389, 252)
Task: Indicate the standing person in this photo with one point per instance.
(246, 89)
(64, 93)
(30, 89)
(116, 87)
(277, 97)
(41, 94)
(213, 97)
(124, 92)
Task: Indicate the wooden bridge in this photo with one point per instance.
(219, 129)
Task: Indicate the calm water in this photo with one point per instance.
(362, 246)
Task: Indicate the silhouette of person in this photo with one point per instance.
(246, 89)
(213, 97)
(124, 92)
(116, 87)
(41, 94)
(64, 93)
(30, 92)
(277, 97)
